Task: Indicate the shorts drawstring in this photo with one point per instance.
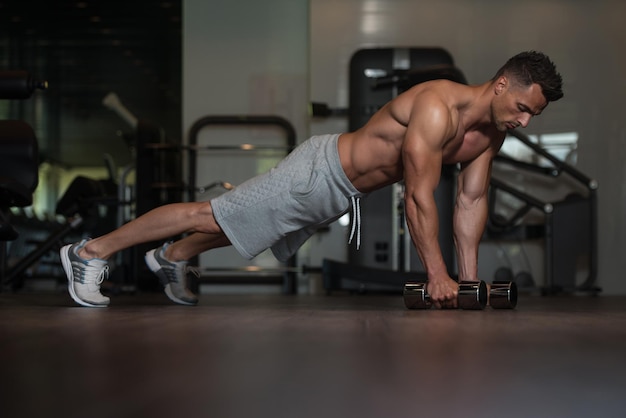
(356, 221)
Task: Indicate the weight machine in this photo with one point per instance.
(569, 225)
(286, 275)
(19, 162)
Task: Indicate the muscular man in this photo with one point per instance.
(433, 123)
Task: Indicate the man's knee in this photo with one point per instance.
(205, 218)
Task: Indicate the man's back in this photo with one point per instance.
(372, 156)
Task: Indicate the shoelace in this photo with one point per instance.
(172, 272)
(195, 270)
(92, 273)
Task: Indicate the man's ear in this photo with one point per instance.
(501, 84)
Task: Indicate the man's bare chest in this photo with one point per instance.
(466, 146)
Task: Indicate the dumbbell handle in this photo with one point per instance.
(471, 295)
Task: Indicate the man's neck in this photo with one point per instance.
(478, 114)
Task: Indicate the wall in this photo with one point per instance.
(229, 46)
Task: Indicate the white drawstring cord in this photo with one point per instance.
(356, 221)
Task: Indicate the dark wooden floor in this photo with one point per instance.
(310, 356)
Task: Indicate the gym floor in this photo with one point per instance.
(310, 356)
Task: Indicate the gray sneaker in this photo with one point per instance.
(84, 276)
(172, 275)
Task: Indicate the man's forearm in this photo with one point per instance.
(469, 224)
(423, 223)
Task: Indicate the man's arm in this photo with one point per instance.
(430, 126)
(471, 211)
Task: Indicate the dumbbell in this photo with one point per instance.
(503, 295)
(471, 296)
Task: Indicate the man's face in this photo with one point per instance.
(515, 104)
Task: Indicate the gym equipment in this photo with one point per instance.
(113, 102)
(363, 279)
(405, 79)
(158, 181)
(472, 296)
(285, 275)
(503, 295)
(19, 150)
(524, 279)
(503, 274)
(569, 226)
(19, 161)
(19, 85)
(19, 166)
(79, 205)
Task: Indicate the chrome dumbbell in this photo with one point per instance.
(503, 295)
(471, 296)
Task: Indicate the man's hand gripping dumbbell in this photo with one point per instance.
(471, 295)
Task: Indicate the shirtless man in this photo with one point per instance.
(434, 123)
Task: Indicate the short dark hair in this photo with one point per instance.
(534, 67)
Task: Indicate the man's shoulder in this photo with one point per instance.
(438, 94)
(440, 87)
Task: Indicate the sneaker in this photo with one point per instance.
(172, 275)
(84, 276)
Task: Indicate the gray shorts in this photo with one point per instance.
(282, 208)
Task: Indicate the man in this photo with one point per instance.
(433, 123)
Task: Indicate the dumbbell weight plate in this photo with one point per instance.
(415, 296)
(472, 295)
(503, 295)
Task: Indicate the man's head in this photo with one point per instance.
(527, 68)
(523, 87)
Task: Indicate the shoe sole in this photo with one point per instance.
(168, 292)
(69, 272)
(154, 266)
